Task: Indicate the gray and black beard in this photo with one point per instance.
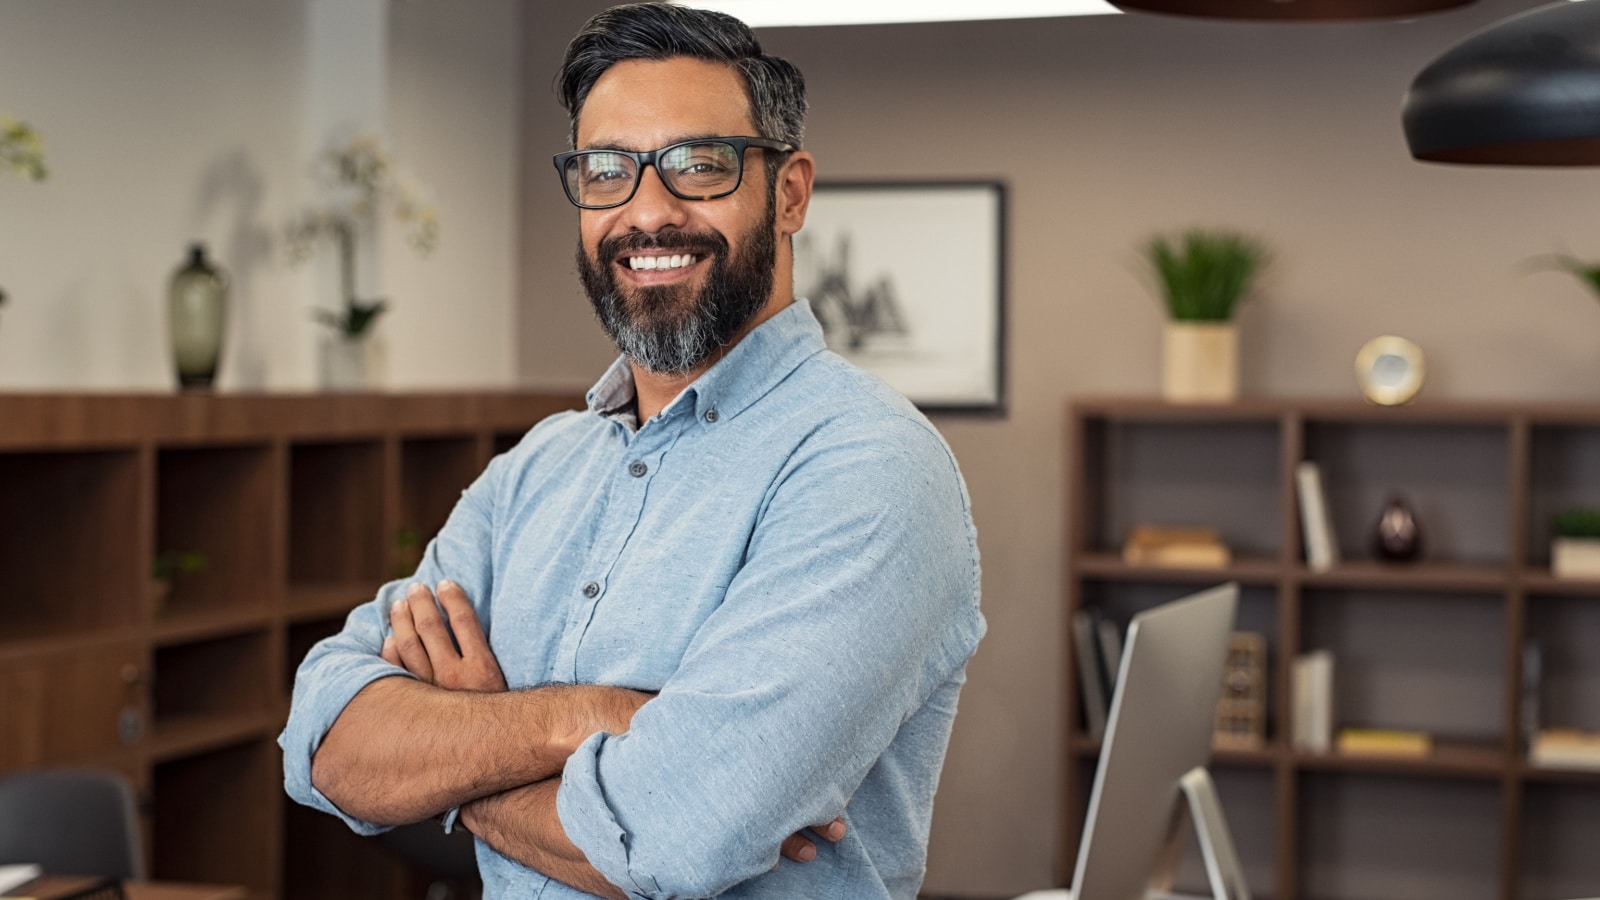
(664, 328)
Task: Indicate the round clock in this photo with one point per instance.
(1390, 370)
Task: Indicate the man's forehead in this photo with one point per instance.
(642, 104)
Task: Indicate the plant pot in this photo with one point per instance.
(353, 364)
(1572, 557)
(1200, 362)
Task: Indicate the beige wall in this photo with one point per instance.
(1106, 130)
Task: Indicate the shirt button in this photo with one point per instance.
(711, 415)
(638, 469)
(591, 590)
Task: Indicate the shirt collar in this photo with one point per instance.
(765, 357)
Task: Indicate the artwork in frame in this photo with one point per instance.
(908, 280)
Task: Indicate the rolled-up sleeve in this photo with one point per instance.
(857, 600)
(340, 666)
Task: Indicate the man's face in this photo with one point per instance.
(673, 280)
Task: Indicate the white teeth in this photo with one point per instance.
(660, 262)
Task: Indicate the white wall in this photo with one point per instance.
(168, 121)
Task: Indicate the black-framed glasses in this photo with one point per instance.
(701, 169)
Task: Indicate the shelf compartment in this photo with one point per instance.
(1559, 824)
(222, 677)
(1564, 471)
(214, 817)
(211, 502)
(1455, 477)
(319, 601)
(336, 513)
(433, 473)
(69, 542)
(1569, 689)
(1362, 836)
(1431, 661)
(1220, 475)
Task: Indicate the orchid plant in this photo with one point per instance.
(362, 182)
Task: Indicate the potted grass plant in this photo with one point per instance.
(1203, 275)
(1575, 547)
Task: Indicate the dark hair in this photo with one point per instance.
(774, 87)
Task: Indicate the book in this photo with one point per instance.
(1566, 748)
(1091, 679)
(1384, 742)
(1110, 653)
(1199, 548)
(1316, 525)
(1311, 681)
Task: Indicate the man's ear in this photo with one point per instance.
(793, 195)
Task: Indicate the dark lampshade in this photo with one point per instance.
(1290, 10)
(1522, 92)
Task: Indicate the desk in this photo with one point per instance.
(60, 886)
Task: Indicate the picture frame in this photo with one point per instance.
(908, 280)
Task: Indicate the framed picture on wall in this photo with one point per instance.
(908, 280)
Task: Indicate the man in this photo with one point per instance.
(733, 600)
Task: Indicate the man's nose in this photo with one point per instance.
(653, 207)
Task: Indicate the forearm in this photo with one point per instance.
(403, 750)
(522, 824)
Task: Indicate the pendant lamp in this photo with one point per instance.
(1290, 10)
(1522, 92)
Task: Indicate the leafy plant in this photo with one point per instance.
(22, 150)
(362, 181)
(1577, 522)
(1204, 274)
(166, 566)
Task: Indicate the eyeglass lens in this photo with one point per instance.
(694, 171)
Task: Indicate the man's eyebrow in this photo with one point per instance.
(620, 146)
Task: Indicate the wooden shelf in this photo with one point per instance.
(294, 501)
(1436, 645)
(191, 735)
(1112, 568)
(1428, 576)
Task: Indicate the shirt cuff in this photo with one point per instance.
(588, 819)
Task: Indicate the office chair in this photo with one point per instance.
(71, 822)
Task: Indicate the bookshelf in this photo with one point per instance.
(295, 502)
(1433, 645)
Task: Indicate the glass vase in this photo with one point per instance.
(197, 314)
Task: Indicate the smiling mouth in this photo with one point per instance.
(664, 261)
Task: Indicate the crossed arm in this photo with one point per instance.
(403, 750)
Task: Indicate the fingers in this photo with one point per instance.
(798, 848)
(407, 644)
(430, 624)
(463, 619)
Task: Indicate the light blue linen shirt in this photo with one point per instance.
(785, 554)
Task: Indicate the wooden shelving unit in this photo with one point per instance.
(296, 504)
(1435, 645)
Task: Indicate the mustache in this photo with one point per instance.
(708, 243)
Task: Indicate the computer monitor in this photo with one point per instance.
(1157, 742)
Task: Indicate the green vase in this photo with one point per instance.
(197, 314)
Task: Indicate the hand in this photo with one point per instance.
(799, 848)
(422, 645)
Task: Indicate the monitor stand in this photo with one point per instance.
(1202, 807)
